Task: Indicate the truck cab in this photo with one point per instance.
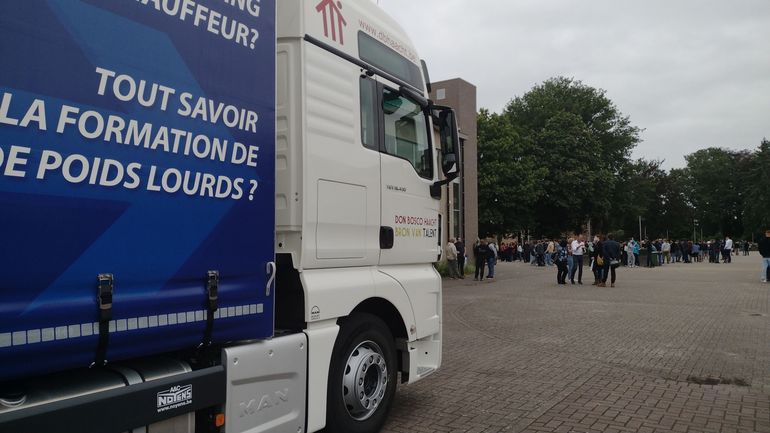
(356, 218)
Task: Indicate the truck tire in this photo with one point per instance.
(362, 376)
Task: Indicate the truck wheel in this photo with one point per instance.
(362, 376)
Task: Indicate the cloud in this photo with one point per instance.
(692, 73)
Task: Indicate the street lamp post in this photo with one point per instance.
(694, 224)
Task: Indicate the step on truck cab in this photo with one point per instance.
(218, 216)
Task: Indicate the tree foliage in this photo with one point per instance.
(756, 194)
(715, 191)
(729, 190)
(573, 142)
(558, 157)
(508, 176)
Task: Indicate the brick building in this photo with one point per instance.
(460, 201)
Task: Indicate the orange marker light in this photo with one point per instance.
(219, 421)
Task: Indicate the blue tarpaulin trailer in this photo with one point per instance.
(136, 179)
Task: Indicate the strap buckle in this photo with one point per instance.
(104, 291)
(212, 295)
(104, 296)
(212, 288)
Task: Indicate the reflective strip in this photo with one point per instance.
(34, 336)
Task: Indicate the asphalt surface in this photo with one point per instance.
(680, 348)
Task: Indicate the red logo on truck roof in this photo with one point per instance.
(333, 19)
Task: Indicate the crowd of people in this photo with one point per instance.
(659, 251)
(485, 253)
(663, 251)
(603, 254)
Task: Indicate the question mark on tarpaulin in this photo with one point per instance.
(254, 185)
(254, 37)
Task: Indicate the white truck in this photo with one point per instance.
(217, 215)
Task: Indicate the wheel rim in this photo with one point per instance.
(364, 380)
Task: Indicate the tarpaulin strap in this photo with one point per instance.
(212, 296)
(104, 300)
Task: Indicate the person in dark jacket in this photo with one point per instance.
(676, 253)
(460, 245)
(595, 252)
(651, 251)
(560, 258)
(481, 252)
(611, 254)
(540, 254)
(764, 251)
(527, 253)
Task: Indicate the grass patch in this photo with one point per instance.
(443, 268)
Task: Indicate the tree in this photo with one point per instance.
(755, 175)
(508, 176)
(559, 156)
(677, 213)
(636, 194)
(716, 194)
(581, 142)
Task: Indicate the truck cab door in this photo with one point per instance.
(410, 218)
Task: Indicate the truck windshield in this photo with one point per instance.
(379, 55)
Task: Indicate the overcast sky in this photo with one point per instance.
(692, 73)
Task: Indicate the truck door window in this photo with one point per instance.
(406, 132)
(368, 114)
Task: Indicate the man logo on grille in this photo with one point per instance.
(332, 16)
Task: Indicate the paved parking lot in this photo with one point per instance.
(682, 348)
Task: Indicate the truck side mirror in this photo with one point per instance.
(446, 120)
(450, 144)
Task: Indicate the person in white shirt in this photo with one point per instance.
(578, 249)
(450, 253)
(630, 254)
(666, 249)
(728, 255)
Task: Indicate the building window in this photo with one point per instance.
(461, 183)
(456, 209)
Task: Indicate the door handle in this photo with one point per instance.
(386, 237)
